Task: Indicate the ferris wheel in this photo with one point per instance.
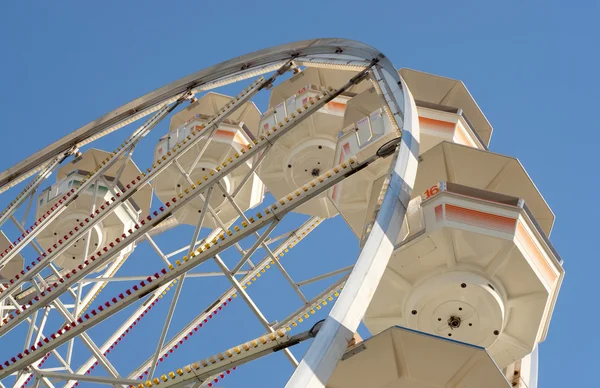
(449, 239)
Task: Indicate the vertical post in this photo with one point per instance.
(165, 328)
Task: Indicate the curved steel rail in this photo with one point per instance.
(327, 348)
(144, 105)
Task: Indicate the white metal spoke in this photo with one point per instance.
(312, 304)
(86, 340)
(252, 171)
(201, 153)
(265, 247)
(129, 323)
(209, 208)
(30, 330)
(157, 249)
(254, 247)
(169, 317)
(91, 379)
(205, 370)
(167, 323)
(242, 292)
(42, 325)
(21, 379)
(325, 276)
(143, 277)
(41, 378)
(96, 288)
(80, 286)
(28, 208)
(303, 230)
(126, 160)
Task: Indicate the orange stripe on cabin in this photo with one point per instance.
(436, 125)
(231, 136)
(338, 106)
(536, 255)
(439, 213)
(239, 139)
(462, 137)
(481, 219)
(223, 133)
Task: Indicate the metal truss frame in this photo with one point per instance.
(323, 354)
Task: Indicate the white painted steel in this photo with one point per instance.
(322, 356)
(388, 198)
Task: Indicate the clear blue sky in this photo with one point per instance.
(532, 67)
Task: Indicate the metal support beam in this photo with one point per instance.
(86, 340)
(325, 276)
(326, 350)
(201, 153)
(312, 304)
(84, 336)
(180, 280)
(128, 323)
(254, 247)
(286, 275)
(255, 165)
(28, 207)
(209, 208)
(264, 346)
(304, 229)
(253, 307)
(87, 378)
(143, 277)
